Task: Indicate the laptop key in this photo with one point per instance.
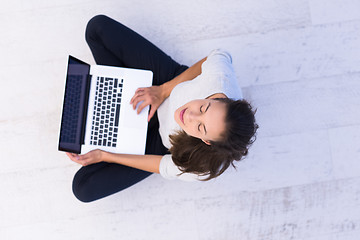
(117, 115)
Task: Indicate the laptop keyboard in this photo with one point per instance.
(71, 109)
(105, 122)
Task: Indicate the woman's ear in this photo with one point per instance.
(206, 142)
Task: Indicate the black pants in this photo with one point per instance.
(114, 44)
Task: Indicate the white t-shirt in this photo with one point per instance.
(217, 76)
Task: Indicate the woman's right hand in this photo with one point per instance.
(152, 96)
(89, 158)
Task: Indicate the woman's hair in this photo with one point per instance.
(192, 155)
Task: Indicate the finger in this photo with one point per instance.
(79, 159)
(139, 100)
(134, 97)
(84, 161)
(141, 107)
(72, 156)
(138, 92)
(75, 160)
(85, 157)
(69, 155)
(88, 160)
(151, 113)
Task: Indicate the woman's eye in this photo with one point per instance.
(200, 109)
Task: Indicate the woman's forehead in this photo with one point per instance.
(215, 120)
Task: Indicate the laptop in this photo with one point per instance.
(97, 113)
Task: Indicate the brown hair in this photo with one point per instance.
(192, 155)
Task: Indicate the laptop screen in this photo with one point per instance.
(74, 106)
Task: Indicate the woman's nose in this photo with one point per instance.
(194, 116)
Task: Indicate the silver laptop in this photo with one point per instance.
(97, 113)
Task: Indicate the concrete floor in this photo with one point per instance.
(298, 62)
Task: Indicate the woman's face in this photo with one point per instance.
(203, 118)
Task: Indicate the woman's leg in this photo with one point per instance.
(114, 44)
(103, 179)
(98, 180)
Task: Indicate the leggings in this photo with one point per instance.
(114, 44)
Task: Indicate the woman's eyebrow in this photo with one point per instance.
(207, 107)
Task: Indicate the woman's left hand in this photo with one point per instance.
(89, 158)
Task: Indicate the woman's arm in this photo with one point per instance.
(189, 74)
(149, 163)
(155, 95)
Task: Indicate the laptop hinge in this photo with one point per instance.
(86, 106)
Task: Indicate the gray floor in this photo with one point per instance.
(297, 61)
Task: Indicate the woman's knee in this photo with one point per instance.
(82, 190)
(94, 25)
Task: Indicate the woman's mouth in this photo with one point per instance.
(182, 115)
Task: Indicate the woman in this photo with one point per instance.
(195, 129)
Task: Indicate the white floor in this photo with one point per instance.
(297, 61)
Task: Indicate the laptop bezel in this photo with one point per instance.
(75, 147)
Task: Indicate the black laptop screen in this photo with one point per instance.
(74, 106)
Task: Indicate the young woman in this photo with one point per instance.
(198, 124)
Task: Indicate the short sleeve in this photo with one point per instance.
(218, 61)
(170, 171)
